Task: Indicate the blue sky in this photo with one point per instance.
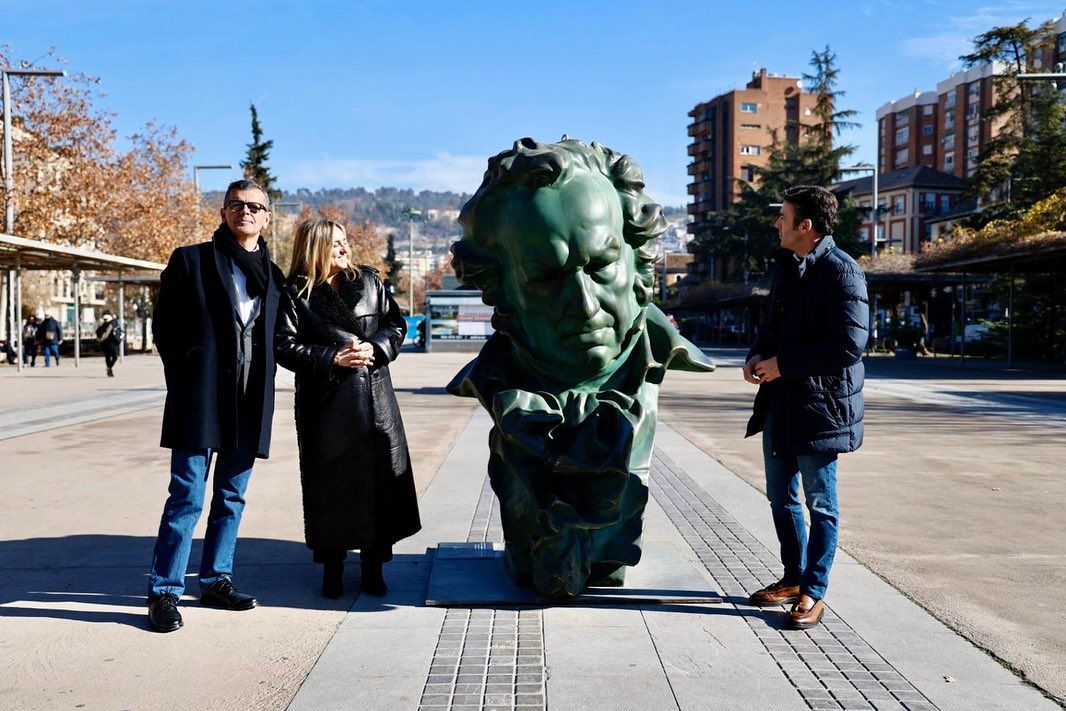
(419, 94)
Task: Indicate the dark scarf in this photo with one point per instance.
(339, 308)
(254, 265)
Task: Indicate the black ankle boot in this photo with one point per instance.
(333, 579)
(372, 581)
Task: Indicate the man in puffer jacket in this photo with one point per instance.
(807, 362)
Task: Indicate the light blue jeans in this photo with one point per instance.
(188, 482)
(807, 559)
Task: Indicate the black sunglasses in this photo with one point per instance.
(239, 205)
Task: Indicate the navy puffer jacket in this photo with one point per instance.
(817, 327)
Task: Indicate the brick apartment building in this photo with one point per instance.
(730, 135)
(943, 129)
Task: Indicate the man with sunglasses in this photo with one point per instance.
(214, 328)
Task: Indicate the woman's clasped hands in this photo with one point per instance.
(357, 354)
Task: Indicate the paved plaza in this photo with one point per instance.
(947, 592)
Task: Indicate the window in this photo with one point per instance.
(899, 205)
(973, 111)
(927, 130)
(974, 89)
(949, 119)
(973, 135)
(927, 150)
(902, 119)
(949, 100)
(929, 203)
(751, 126)
(748, 107)
(927, 110)
(748, 173)
(949, 161)
(902, 156)
(949, 141)
(902, 135)
(750, 150)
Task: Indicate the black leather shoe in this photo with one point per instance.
(163, 613)
(223, 593)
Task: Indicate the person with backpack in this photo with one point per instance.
(50, 335)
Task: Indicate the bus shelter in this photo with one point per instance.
(18, 254)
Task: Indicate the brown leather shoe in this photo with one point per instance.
(779, 593)
(807, 612)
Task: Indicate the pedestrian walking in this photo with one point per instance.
(807, 362)
(109, 336)
(214, 325)
(50, 335)
(29, 342)
(338, 330)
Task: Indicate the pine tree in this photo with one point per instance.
(1023, 113)
(393, 266)
(255, 164)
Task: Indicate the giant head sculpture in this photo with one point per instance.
(557, 237)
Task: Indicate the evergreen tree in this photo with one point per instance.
(393, 266)
(745, 233)
(255, 163)
(1026, 115)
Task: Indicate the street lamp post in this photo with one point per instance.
(411, 214)
(196, 172)
(875, 209)
(15, 333)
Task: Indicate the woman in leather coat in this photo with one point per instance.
(338, 329)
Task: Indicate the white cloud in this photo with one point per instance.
(444, 171)
(945, 46)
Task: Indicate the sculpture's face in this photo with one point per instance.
(568, 273)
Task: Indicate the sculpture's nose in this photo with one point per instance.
(582, 300)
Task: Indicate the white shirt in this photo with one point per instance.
(245, 303)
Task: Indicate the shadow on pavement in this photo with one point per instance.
(70, 577)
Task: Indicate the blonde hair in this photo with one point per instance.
(312, 252)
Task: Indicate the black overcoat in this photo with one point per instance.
(196, 330)
(817, 327)
(355, 470)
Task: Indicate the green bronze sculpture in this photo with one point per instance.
(558, 239)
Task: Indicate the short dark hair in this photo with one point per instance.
(244, 185)
(814, 203)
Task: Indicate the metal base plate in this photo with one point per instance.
(473, 575)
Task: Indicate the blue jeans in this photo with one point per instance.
(807, 560)
(53, 350)
(188, 481)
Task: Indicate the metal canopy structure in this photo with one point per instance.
(18, 254)
(1043, 259)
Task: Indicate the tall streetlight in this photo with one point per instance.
(9, 186)
(876, 209)
(196, 172)
(411, 215)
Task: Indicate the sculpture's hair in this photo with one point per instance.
(536, 165)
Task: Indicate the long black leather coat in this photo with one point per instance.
(817, 327)
(355, 470)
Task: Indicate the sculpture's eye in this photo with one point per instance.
(543, 283)
(602, 272)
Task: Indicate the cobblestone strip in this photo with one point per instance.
(486, 525)
(830, 665)
(490, 660)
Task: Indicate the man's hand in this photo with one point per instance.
(767, 371)
(748, 368)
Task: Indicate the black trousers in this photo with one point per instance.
(110, 357)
